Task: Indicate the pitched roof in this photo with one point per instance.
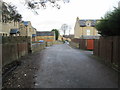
(14, 31)
(82, 22)
(93, 22)
(25, 23)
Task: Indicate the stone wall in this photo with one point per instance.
(57, 42)
(75, 45)
(38, 46)
(13, 48)
(85, 44)
(49, 44)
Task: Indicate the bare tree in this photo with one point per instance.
(64, 27)
(35, 4)
(69, 29)
(9, 13)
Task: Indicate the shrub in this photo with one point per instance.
(109, 25)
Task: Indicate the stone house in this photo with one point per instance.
(9, 28)
(26, 29)
(85, 27)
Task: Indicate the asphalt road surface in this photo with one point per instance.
(64, 67)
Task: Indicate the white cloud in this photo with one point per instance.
(53, 18)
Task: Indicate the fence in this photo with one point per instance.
(13, 48)
(108, 48)
(86, 44)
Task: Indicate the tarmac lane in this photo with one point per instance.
(64, 67)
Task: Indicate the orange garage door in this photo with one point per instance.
(90, 44)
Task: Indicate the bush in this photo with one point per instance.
(109, 25)
(56, 33)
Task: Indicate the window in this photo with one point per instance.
(88, 32)
(88, 23)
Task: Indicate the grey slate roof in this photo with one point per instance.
(25, 23)
(14, 31)
(83, 22)
(93, 23)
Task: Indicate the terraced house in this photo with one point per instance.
(85, 28)
(10, 20)
(26, 29)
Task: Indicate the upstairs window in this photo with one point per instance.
(88, 32)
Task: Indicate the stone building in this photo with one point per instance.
(85, 27)
(10, 27)
(26, 29)
(7, 25)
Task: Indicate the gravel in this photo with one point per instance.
(24, 75)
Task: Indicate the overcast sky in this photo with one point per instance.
(53, 18)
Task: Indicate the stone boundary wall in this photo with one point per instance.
(13, 48)
(37, 47)
(57, 42)
(75, 45)
(79, 43)
(40, 46)
(75, 42)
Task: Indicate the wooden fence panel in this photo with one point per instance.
(116, 50)
(108, 48)
(102, 48)
(96, 47)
